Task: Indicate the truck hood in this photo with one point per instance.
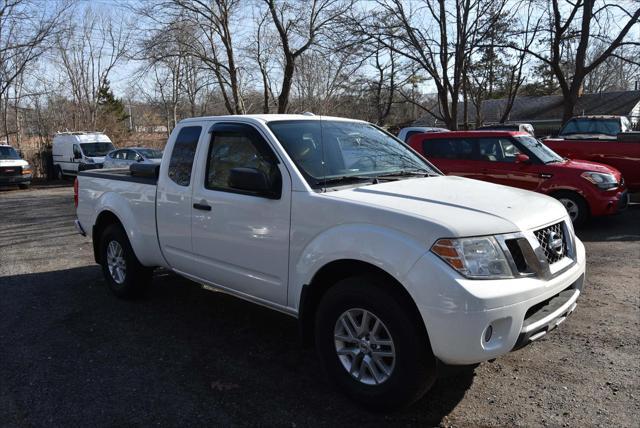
(463, 206)
(13, 162)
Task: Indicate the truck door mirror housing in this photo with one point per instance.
(522, 158)
(77, 155)
(252, 180)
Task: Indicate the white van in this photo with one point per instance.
(79, 151)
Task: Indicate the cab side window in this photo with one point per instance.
(184, 150)
(238, 146)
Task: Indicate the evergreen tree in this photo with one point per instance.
(109, 105)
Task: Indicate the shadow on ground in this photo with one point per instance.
(72, 353)
(621, 227)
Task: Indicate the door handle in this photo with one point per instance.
(203, 207)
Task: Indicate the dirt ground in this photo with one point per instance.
(72, 355)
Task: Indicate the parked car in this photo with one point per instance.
(604, 139)
(124, 157)
(405, 133)
(79, 151)
(387, 264)
(521, 127)
(13, 169)
(519, 160)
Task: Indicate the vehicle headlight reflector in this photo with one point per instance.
(603, 180)
(478, 258)
(26, 170)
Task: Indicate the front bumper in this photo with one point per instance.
(15, 179)
(470, 321)
(607, 203)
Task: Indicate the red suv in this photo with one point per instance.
(519, 160)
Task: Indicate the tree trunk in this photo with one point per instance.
(283, 98)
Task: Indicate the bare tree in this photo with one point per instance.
(26, 32)
(300, 25)
(573, 26)
(437, 35)
(88, 52)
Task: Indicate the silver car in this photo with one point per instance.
(122, 158)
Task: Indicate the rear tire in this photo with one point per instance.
(124, 274)
(576, 207)
(382, 368)
(59, 173)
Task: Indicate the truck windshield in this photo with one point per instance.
(8, 153)
(335, 151)
(96, 149)
(592, 126)
(539, 150)
(150, 153)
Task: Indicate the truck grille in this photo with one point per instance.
(553, 242)
(8, 171)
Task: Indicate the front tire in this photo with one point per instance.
(371, 347)
(59, 173)
(124, 274)
(576, 207)
(24, 186)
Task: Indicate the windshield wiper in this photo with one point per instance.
(345, 179)
(409, 173)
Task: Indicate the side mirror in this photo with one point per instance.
(522, 158)
(77, 155)
(139, 159)
(251, 180)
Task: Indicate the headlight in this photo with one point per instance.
(26, 170)
(602, 180)
(478, 258)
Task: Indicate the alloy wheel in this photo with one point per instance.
(364, 346)
(116, 263)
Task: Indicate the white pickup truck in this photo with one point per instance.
(390, 266)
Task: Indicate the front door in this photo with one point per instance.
(241, 240)
(498, 155)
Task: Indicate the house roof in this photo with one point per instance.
(549, 108)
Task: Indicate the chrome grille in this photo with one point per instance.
(553, 241)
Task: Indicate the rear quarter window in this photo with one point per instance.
(184, 150)
(448, 148)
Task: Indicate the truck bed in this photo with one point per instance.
(120, 174)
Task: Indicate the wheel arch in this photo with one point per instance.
(330, 274)
(104, 219)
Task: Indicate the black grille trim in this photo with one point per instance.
(10, 171)
(543, 237)
(517, 255)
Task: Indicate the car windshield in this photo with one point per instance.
(592, 126)
(332, 151)
(150, 153)
(8, 153)
(542, 152)
(96, 149)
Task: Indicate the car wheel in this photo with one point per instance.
(59, 174)
(123, 272)
(371, 347)
(576, 207)
(24, 186)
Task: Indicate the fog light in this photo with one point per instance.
(487, 333)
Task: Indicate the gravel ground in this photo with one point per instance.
(72, 355)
